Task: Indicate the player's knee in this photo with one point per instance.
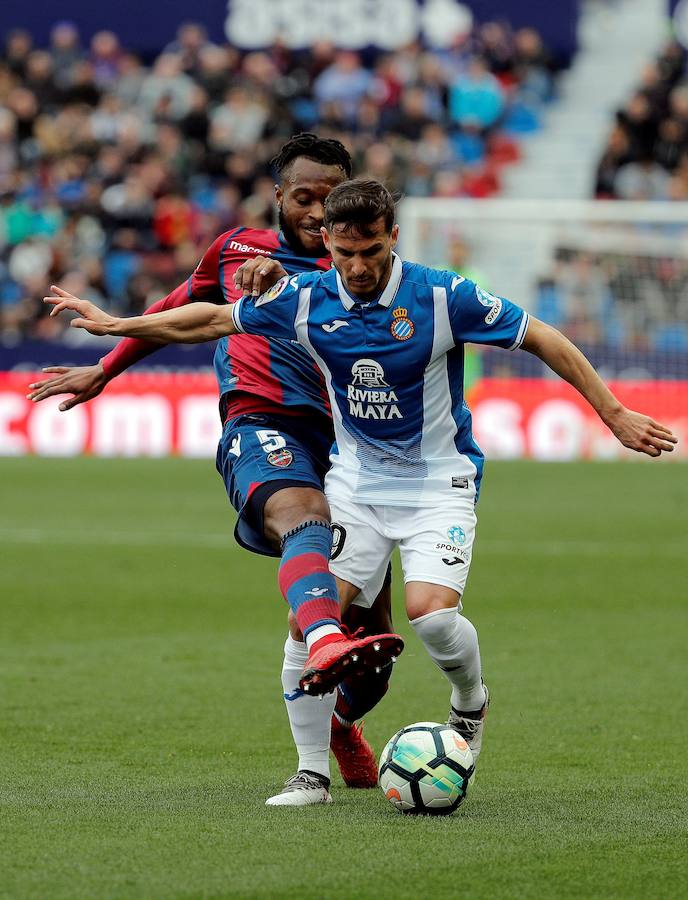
(429, 598)
(294, 629)
(291, 507)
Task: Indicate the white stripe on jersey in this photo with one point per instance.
(521, 332)
(346, 445)
(236, 315)
(439, 426)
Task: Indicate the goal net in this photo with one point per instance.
(612, 276)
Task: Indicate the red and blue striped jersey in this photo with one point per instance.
(253, 374)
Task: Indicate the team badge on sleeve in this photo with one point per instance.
(402, 327)
(494, 304)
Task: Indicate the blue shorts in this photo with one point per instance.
(261, 454)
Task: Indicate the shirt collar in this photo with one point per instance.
(385, 297)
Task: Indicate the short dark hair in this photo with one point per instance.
(357, 205)
(326, 151)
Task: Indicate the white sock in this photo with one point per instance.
(309, 717)
(452, 642)
(320, 632)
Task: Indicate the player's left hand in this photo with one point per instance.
(92, 318)
(641, 433)
(257, 275)
(83, 382)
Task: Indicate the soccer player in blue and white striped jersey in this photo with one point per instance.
(389, 338)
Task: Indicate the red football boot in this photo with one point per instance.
(330, 661)
(355, 757)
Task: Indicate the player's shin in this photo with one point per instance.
(309, 717)
(307, 584)
(452, 642)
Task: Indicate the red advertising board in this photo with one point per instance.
(548, 420)
(150, 414)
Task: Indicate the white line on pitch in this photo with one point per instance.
(225, 541)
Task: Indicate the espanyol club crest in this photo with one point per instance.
(281, 458)
(402, 327)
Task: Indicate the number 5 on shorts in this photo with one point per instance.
(270, 440)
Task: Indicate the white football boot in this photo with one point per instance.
(302, 789)
(470, 725)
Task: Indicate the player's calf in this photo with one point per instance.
(306, 582)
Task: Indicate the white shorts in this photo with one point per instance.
(435, 544)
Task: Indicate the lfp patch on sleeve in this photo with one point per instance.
(273, 292)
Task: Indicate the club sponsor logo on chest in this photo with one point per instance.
(369, 395)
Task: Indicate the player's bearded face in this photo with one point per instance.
(300, 202)
(364, 261)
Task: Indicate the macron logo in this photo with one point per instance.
(317, 592)
(245, 248)
(333, 326)
(457, 281)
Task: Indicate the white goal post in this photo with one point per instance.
(512, 241)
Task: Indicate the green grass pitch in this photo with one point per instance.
(142, 725)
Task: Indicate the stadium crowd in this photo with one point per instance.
(634, 302)
(116, 173)
(646, 155)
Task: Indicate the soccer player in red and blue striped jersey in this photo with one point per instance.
(273, 455)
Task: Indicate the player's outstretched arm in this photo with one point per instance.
(190, 324)
(632, 429)
(86, 382)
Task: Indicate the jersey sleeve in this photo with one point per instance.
(202, 284)
(273, 314)
(479, 317)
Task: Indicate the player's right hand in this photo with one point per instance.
(92, 318)
(257, 275)
(83, 382)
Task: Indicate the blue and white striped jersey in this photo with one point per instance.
(394, 372)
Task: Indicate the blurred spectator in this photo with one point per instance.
(239, 122)
(643, 179)
(616, 154)
(476, 99)
(167, 89)
(18, 45)
(345, 82)
(105, 58)
(65, 50)
(192, 40)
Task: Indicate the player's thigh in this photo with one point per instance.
(258, 457)
(360, 550)
(436, 548)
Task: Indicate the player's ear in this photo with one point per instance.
(394, 236)
(279, 195)
(326, 237)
